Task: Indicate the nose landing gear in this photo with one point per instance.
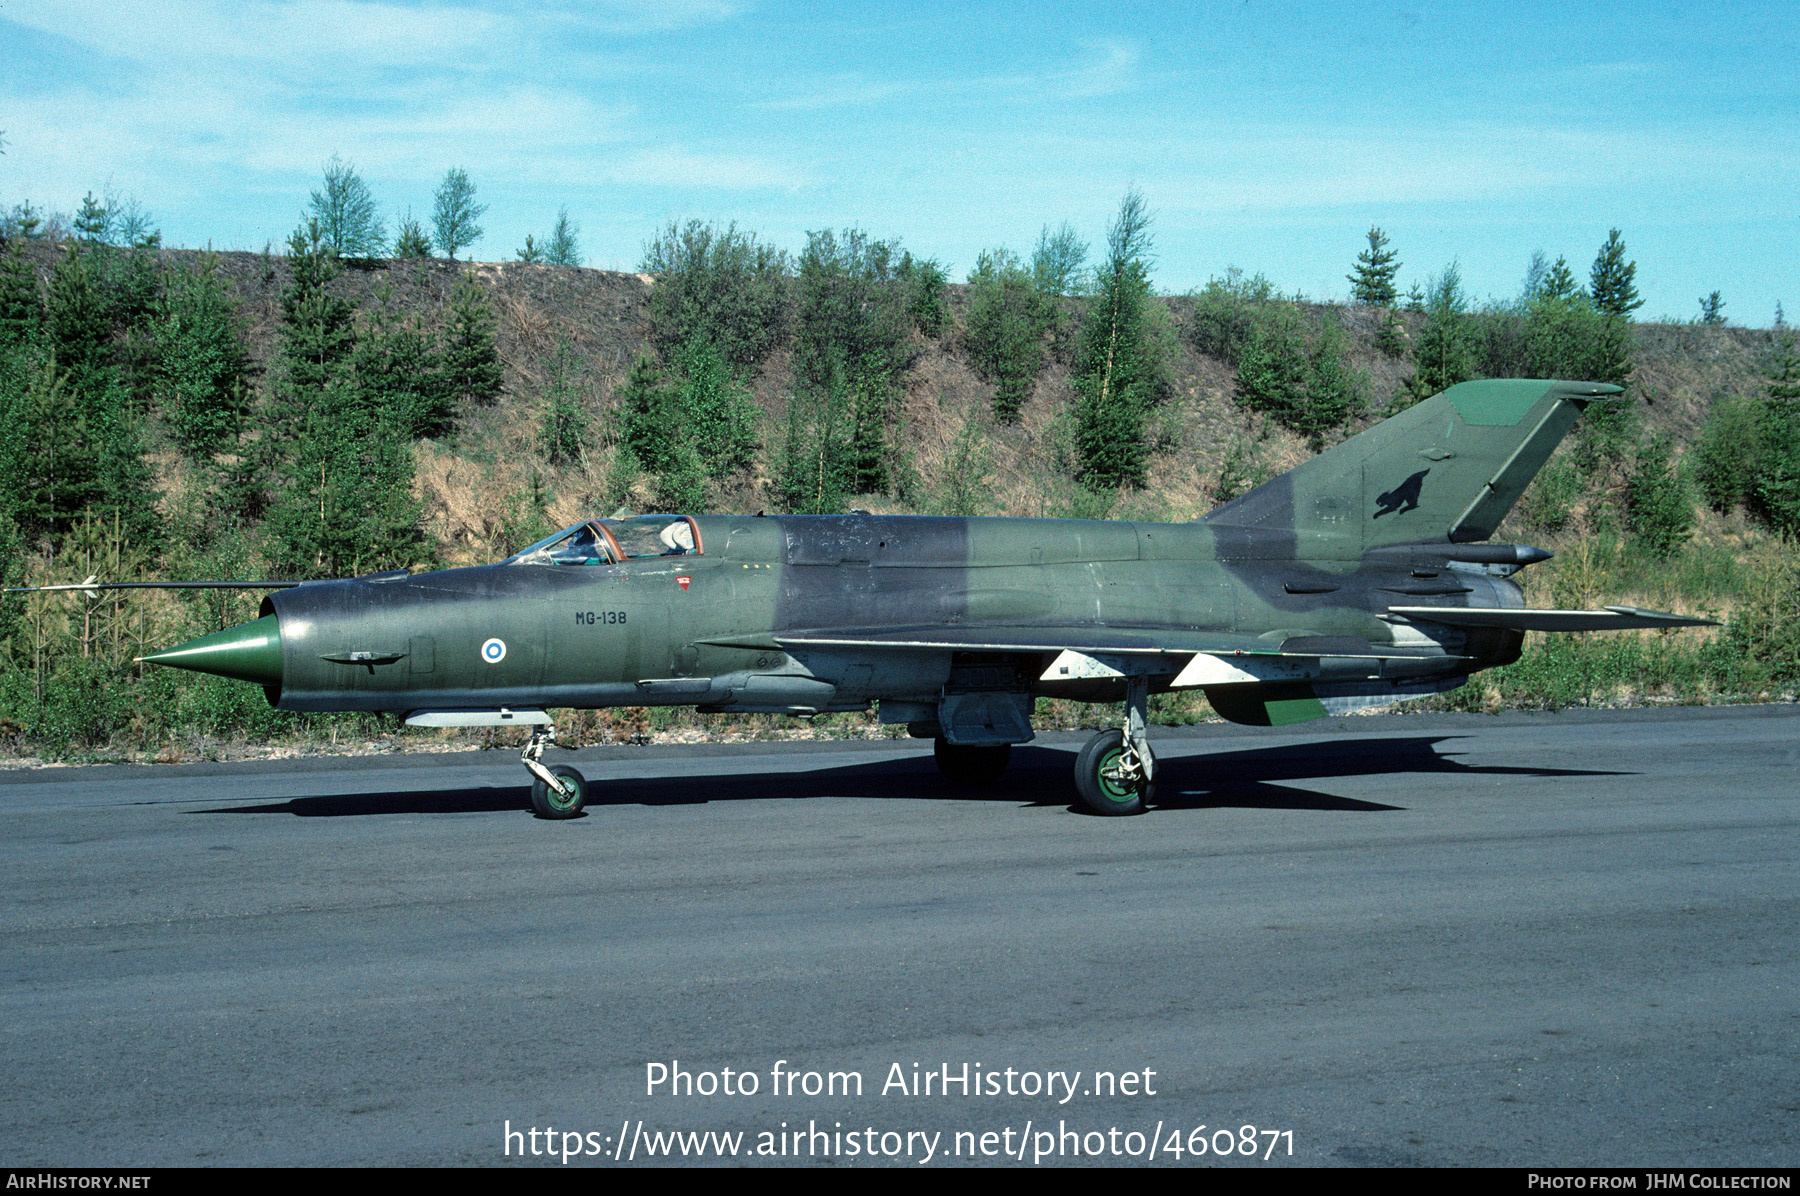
(557, 791)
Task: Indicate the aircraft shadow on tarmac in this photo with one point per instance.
(1037, 776)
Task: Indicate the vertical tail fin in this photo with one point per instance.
(1446, 470)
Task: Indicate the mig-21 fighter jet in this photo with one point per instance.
(1363, 577)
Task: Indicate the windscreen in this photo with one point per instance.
(582, 544)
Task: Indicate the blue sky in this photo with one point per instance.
(1266, 136)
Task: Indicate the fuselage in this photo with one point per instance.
(700, 624)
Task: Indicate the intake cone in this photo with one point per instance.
(248, 652)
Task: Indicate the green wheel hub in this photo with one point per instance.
(1097, 779)
(565, 801)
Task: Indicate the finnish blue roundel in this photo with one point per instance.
(494, 651)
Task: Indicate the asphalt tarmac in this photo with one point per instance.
(1556, 940)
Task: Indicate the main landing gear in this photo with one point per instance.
(557, 791)
(1115, 773)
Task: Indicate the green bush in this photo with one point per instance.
(852, 342)
(1659, 503)
(1728, 455)
(1298, 371)
(1227, 312)
(720, 285)
(1765, 627)
(1548, 504)
(1445, 353)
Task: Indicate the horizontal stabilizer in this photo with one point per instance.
(1613, 618)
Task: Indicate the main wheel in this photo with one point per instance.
(549, 803)
(1097, 780)
(962, 764)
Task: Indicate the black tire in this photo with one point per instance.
(550, 804)
(969, 766)
(1098, 793)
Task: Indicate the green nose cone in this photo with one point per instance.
(248, 652)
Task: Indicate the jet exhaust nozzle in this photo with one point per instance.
(248, 652)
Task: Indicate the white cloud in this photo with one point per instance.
(1114, 71)
(216, 34)
(627, 17)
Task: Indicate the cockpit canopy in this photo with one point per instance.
(609, 541)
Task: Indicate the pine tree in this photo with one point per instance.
(1297, 371)
(203, 363)
(1727, 459)
(400, 372)
(702, 415)
(21, 311)
(1446, 349)
(455, 213)
(46, 475)
(647, 414)
(93, 224)
(410, 240)
(23, 222)
(564, 249)
(1613, 347)
(473, 375)
(716, 411)
(1558, 282)
(1784, 371)
(341, 450)
(925, 281)
(1004, 329)
(1376, 266)
(346, 213)
(1775, 490)
(1659, 504)
(318, 328)
(1712, 309)
(531, 253)
(1611, 283)
(98, 467)
(76, 321)
(1120, 368)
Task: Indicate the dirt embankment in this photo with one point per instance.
(602, 318)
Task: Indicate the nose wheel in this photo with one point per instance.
(557, 791)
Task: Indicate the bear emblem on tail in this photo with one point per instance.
(1402, 498)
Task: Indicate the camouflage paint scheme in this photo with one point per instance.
(1281, 604)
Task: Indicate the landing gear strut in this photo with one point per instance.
(1115, 771)
(558, 791)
